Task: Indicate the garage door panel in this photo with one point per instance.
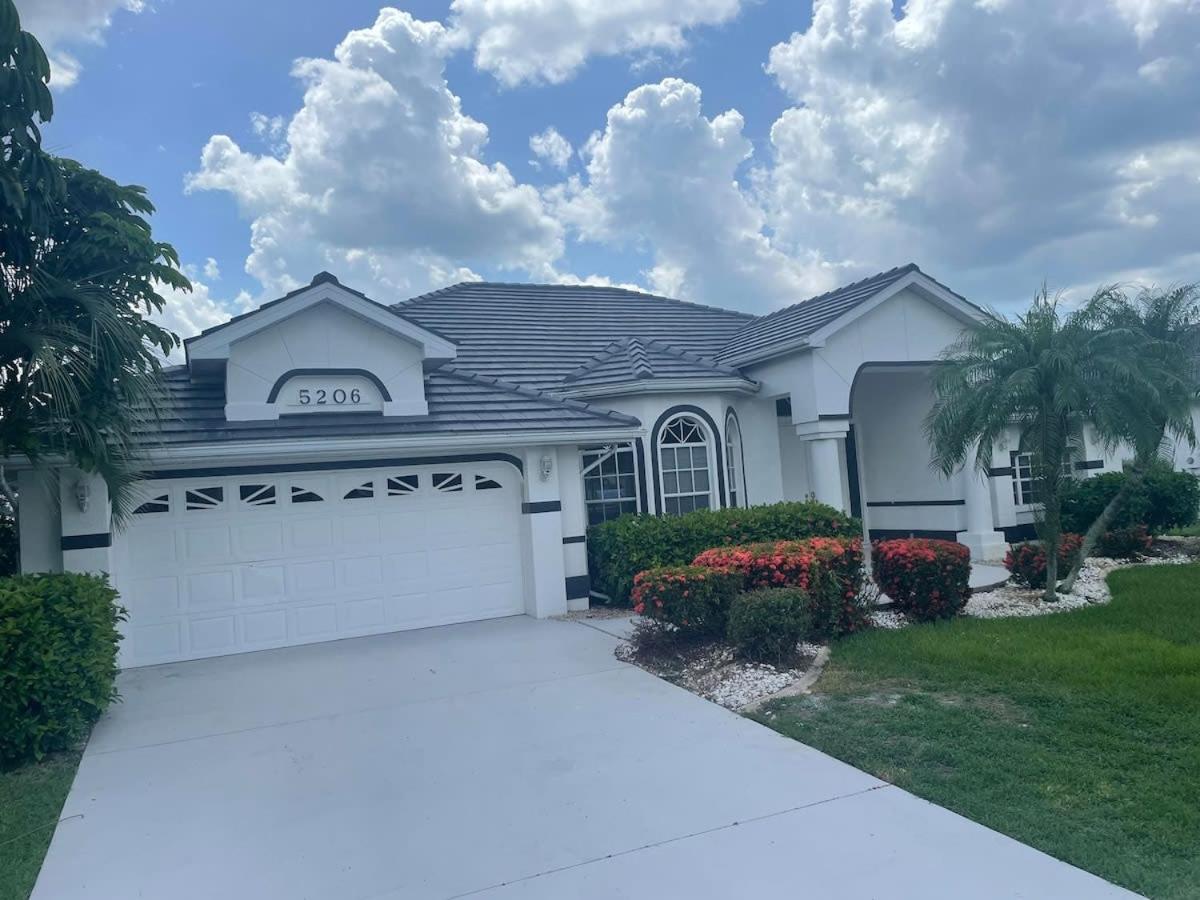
(224, 565)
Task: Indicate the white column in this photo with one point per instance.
(38, 521)
(825, 470)
(546, 586)
(981, 537)
(86, 522)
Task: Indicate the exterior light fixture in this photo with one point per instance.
(547, 467)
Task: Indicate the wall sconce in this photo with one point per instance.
(547, 466)
(83, 495)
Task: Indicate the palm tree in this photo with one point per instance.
(1158, 406)
(1045, 373)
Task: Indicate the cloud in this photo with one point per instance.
(551, 147)
(1003, 141)
(189, 312)
(272, 129)
(212, 271)
(59, 24)
(549, 40)
(664, 177)
(382, 179)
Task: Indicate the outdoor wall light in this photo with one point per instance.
(83, 495)
(547, 467)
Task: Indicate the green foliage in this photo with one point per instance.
(58, 661)
(766, 625)
(1027, 561)
(693, 599)
(1047, 373)
(1163, 500)
(926, 579)
(79, 274)
(619, 549)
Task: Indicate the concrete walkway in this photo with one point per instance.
(511, 758)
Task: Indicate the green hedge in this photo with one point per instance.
(619, 549)
(1166, 499)
(767, 624)
(58, 661)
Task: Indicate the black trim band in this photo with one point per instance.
(1085, 464)
(889, 534)
(541, 506)
(917, 503)
(86, 541)
(293, 373)
(1001, 472)
(578, 586)
(714, 435)
(575, 539)
(213, 471)
(833, 417)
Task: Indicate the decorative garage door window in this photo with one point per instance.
(483, 483)
(203, 498)
(304, 495)
(684, 462)
(448, 482)
(364, 491)
(609, 482)
(159, 504)
(402, 485)
(257, 494)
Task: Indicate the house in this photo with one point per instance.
(328, 466)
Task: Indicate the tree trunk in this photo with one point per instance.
(1052, 538)
(1136, 474)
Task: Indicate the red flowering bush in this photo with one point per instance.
(927, 579)
(1124, 543)
(694, 599)
(829, 569)
(1027, 561)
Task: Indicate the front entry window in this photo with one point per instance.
(609, 482)
(683, 453)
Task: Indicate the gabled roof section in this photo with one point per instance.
(790, 328)
(537, 334)
(193, 412)
(636, 363)
(213, 343)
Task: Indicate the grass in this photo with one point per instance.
(1186, 531)
(31, 799)
(1078, 733)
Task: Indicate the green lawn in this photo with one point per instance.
(1187, 531)
(1078, 733)
(31, 799)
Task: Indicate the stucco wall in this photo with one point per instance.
(323, 337)
(39, 521)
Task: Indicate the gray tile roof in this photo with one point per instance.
(803, 318)
(459, 402)
(537, 334)
(637, 359)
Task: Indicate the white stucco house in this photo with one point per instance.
(329, 466)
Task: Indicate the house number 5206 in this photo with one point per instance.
(325, 397)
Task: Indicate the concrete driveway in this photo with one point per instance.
(511, 758)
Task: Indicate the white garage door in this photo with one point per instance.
(211, 566)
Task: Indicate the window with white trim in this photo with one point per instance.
(734, 464)
(683, 458)
(609, 482)
(1024, 482)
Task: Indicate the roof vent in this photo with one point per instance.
(324, 278)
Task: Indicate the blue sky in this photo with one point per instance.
(748, 153)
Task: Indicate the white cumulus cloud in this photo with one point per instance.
(551, 147)
(1004, 141)
(664, 177)
(186, 313)
(63, 24)
(382, 178)
(549, 40)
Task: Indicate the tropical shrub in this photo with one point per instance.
(766, 625)
(1164, 500)
(693, 599)
(619, 549)
(927, 579)
(830, 569)
(1027, 560)
(58, 661)
(1124, 543)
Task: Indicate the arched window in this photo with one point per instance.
(735, 465)
(684, 456)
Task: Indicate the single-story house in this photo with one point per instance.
(328, 466)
